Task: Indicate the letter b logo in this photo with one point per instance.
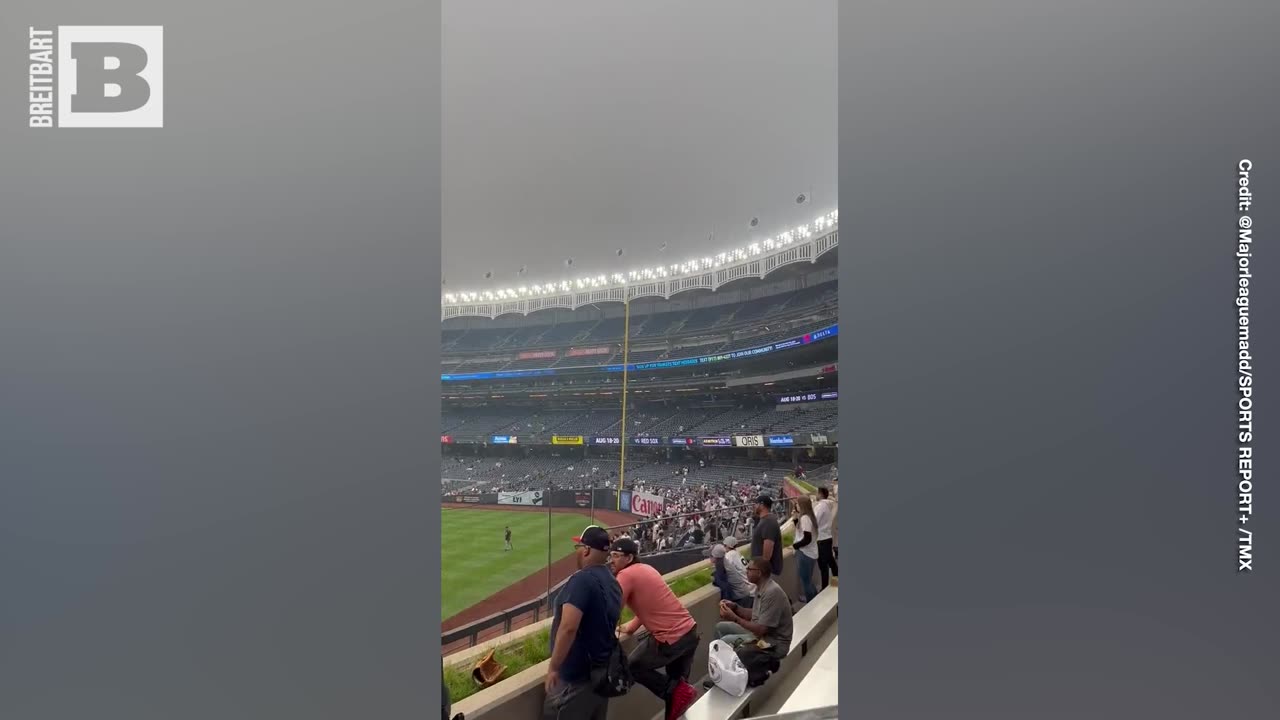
(110, 76)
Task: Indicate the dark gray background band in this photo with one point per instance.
(1038, 404)
(213, 403)
(219, 387)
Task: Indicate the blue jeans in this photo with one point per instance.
(805, 565)
(733, 634)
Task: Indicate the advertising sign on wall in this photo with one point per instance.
(446, 439)
(472, 499)
(531, 497)
(823, 334)
(625, 498)
(646, 505)
(810, 397)
(580, 352)
(568, 499)
(798, 397)
(606, 441)
(781, 440)
(566, 439)
(716, 441)
(646, 441)
(503, 440)
(748, 440)
(537, 355)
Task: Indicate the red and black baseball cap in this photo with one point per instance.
(594, 537)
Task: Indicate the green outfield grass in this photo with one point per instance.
(473, 563)
(802, 486)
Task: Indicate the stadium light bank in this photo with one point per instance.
(805, 243)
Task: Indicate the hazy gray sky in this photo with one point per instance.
(577, 127)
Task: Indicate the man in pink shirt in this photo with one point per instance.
(672, 634)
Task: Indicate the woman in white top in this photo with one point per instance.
(824, 510)
(806, 545)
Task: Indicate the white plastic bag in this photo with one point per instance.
(726, 670)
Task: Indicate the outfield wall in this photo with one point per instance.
(582, 499)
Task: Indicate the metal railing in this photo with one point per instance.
(541, 607)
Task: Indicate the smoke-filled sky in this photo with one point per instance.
(576, 128)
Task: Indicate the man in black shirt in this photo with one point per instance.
(583, 633)
(766, 536)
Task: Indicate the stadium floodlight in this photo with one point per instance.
(820, 224)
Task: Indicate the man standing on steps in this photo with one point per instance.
(766, 536)
(663, 657)
(583, 633)
(507, 539)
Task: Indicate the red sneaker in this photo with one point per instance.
(681, 698)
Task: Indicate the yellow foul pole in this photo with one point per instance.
(622, 433)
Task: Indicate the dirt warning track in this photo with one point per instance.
(534, 584)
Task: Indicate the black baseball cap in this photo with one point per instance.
(626, 546)
(594, 537)
(765, 500)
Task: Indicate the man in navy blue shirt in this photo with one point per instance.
(582, 633)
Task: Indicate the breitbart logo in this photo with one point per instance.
(95, 76)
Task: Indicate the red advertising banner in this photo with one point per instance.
(580, 352)
(446, 439)
(537, 355)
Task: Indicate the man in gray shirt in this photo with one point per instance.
(769, 620)
(766, 536)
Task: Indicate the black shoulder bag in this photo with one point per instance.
(617, 680)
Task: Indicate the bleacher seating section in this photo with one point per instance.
(657, 421)
(659, 336)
